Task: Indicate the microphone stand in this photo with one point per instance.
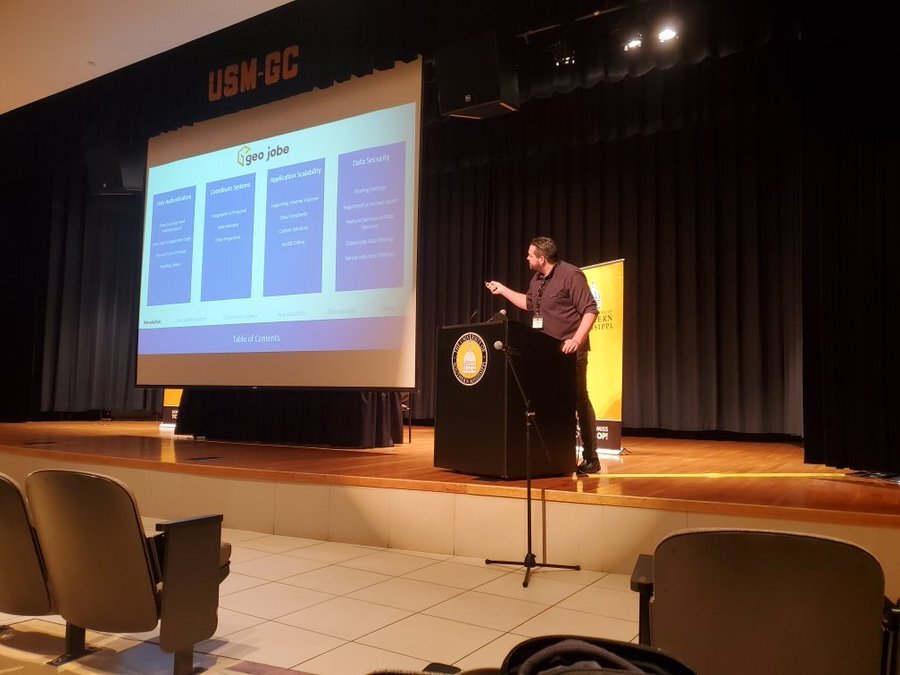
(530, 561)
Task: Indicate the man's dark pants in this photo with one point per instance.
(587, 421)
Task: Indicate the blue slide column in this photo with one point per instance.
(228, 239)
(171, 247)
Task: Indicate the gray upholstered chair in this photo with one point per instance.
(23, 580)
(24, 589)
(750, 602)
(107, 576)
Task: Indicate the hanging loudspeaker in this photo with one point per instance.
(475, 79)
(116, 171)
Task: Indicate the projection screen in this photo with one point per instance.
(279, 244)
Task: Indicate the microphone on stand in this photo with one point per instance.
(472, 316)
(499, 317)
(500, 347)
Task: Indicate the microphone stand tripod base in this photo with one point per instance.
(530, 561)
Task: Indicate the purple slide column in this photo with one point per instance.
(294, 213)
(370, 218)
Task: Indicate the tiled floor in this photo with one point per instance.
(329, 608)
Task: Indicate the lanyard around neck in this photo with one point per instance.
(540, 296)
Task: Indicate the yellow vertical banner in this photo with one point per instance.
(607, 283)
(171, 401)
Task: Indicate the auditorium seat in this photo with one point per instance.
(23, 579)
(748, 602)
(24, 590)
(106, 575)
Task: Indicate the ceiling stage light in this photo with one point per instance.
(667, 33)
(634, 42)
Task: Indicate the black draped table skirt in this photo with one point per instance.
(347, 419)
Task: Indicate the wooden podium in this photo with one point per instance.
(480, 414)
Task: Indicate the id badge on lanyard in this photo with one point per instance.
(537, 321)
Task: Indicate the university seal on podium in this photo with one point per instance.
(469, 359)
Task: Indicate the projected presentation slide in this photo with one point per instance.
(273, 244)
(279, 244)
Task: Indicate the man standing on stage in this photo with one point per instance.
(562, 306)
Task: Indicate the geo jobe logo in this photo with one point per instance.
(246, 156)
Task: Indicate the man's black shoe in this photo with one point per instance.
(588, 467)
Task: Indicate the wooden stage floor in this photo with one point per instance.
(730, 478)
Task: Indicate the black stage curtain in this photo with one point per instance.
(851, 211)
(23, 280)
(851, 334)
(349, 419)
(693, 176)
(92, 301)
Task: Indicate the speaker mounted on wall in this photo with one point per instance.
(114, 170)
(476, 79)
